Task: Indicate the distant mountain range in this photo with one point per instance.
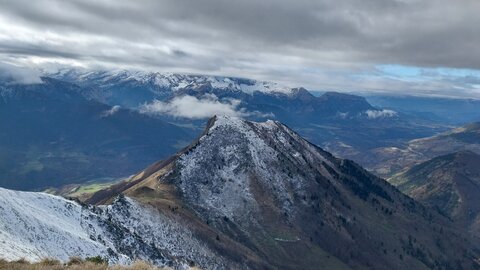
(387, 161)
(245, 195)
(99, 121)
(342, 123)
(78, 126)
(450, 183)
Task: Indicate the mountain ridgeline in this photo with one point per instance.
(80, 126)
(344, 124)
(261, 196)
(133, 89)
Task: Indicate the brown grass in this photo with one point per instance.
(73, 264)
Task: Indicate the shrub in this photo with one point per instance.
(96, 260)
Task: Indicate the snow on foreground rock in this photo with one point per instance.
(38, 225)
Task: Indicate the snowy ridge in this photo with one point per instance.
(173, 81)
(35, 226)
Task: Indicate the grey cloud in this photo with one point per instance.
(193, 108)
(199, 108)
(317, 44)
(21, 75)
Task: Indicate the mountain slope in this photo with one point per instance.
(35, 226)
(261, 187)
(450, 183)
(51, 135)
(387, 161)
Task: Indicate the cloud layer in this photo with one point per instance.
(374, 114)
(322, 44)
(21, 75)
(194, 108)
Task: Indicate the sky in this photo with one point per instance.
(393, 46)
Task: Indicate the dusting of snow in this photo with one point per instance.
(216, 175)
(174, 82)
(35, 226)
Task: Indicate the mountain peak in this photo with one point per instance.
(259, 188)
(238, 123)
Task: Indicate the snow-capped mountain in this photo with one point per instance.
(133, 88)
(245, 195)
(264, 196)
(141, 86)
(345, 124)
(176, 82)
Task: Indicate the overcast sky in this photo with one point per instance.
(401, 46)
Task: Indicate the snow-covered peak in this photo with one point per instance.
(216, 174)
(239, 123)
(173, 81)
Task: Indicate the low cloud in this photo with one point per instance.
(195, 108)
(112, 111)
(375, 114)
(19, 75)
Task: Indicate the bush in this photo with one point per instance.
(96, 260)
